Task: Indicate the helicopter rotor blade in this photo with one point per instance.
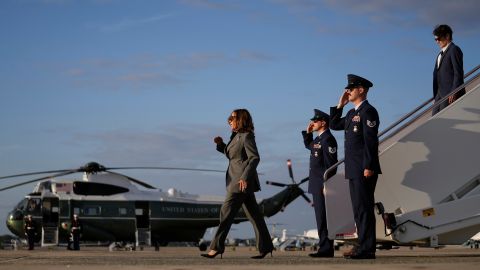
(290, 171)
(276, 184)
(33, 173)
(306, 198)
(39, 179)
(304, 180)
(164, 168)
(141, 183)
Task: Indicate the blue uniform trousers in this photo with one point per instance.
(363, 202)
(324, 244)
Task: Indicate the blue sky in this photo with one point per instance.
(150, 83)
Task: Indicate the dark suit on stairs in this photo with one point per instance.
(448, 75)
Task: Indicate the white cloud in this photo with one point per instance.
(461, 15)
(148, 72)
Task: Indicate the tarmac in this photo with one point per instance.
(185, 258)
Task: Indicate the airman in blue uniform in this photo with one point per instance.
(362, 165)
(323, 154)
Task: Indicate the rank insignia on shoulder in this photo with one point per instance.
(371, 123)
(332, 150)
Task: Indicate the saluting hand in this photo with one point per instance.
(243, 185)
(343, 99)
(310, 127)
(218, 140)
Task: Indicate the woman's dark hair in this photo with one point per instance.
(243, 119)
(443, 31)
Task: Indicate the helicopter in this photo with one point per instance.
(113, 209)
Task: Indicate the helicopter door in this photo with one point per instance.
(50, 211)
(142, 214)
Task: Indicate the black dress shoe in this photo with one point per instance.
(262, 255)
(206, 255)
(323, 254)
(362, 256)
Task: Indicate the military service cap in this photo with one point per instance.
(355, 81)
(319, 115)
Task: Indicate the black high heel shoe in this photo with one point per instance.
(206, 255)
(262, 255)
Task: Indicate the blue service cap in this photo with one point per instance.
(319, 115)
(355, 81)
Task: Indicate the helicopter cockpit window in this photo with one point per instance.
(122, 211)
(33, 205)
(22, 205)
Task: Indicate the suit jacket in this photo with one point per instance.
(323, 154)
(243, 159)
(361, 138)
(449, 74)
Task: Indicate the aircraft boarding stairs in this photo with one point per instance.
(430, 186)
(49, 236)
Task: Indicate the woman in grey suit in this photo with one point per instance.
(242, 183)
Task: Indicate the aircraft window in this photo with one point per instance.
(92, 211)
(122, 211)
(46, 205)
(101, 189)
(76, 211)
(22, 204)
(33, 205)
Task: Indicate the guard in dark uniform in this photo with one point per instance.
(75, 232)
(323, 154)
(29, 228)
(361, 160)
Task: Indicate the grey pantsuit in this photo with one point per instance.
(243, 158)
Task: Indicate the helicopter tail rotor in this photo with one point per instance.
(293, 186)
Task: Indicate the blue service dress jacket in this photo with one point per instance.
(361, 138)
(323, 154)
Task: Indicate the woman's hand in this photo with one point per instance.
(218, 140)
(243, 185)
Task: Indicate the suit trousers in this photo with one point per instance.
(324, 244)
(438, 107)
(229, 210)
(362, 193)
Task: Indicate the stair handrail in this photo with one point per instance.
(408, 115)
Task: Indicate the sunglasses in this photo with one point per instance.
(231, 118)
